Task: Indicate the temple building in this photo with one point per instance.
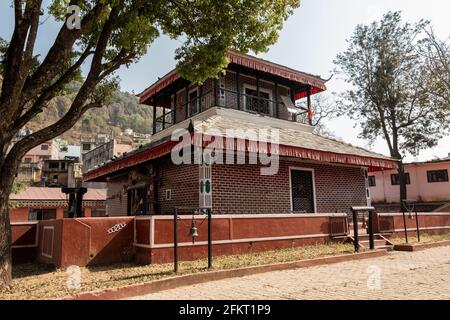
(240, 146)
(314, 174)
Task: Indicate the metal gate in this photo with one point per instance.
(302, 191)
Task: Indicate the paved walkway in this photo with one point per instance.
(419, 275)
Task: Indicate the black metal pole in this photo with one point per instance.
(355, 230)
(175, 241)
(417, 223)
(154, 116)
(187, 111)
(72, 205)
(371, 235)
(209, 240)
(216, 89)
(174, 110)
(238, 89)
(79, 202)
(199, 99)
(294, 116)
(164, 114)
(258, 99)
(308, 97)
(404, 225)
(277, 110)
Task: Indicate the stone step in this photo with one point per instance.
(361, 232)
(388, 247)
(360, 223)
(377, 242)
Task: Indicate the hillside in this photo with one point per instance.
(123, 112)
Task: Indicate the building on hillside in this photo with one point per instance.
(315, 174)
(427, 183)
(87, 145)
(55, 173)
(136, 138)
(91, 141)
(40, 203)
(104, 153)
(70, 151)
(30, 167)
(45, 151)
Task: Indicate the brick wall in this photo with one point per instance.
(182, 180)
(241, 187)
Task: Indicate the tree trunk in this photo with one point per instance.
(7, 174)
(402, 180)
(5, 240)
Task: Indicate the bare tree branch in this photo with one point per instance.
(50, 92)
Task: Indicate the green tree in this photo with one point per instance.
(393, 95)
(436, 54)
(111, 34)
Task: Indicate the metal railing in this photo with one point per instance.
(164, 121)
(227, 99)
(356, 210)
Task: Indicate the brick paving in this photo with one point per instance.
(399, 275)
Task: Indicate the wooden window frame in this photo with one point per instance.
(395, 179)
(430, 174)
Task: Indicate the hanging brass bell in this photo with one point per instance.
(193, 231)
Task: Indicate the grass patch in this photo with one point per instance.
(40, 281)
(424, 238)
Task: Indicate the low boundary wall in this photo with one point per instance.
(232, 234)
(24, 241)
(149, 239)
(85, 241)
(429, 222)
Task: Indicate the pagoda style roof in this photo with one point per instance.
(294, 140)
(316, 83)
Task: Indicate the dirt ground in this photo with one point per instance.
(424, 238)
(39, 281)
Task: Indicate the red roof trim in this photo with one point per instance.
(250, 146)
(165, 81)
(276, 69)
(303, 94)
(317, 84)
(298, 152)
(140, 157)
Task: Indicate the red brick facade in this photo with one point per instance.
(242, 189)
(182, 180)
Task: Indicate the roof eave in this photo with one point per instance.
(374, 162)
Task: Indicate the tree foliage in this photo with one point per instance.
(117, 33)
(394, 93)
(111, 34)
(436, 54)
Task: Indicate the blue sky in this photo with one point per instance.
(309, 41)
